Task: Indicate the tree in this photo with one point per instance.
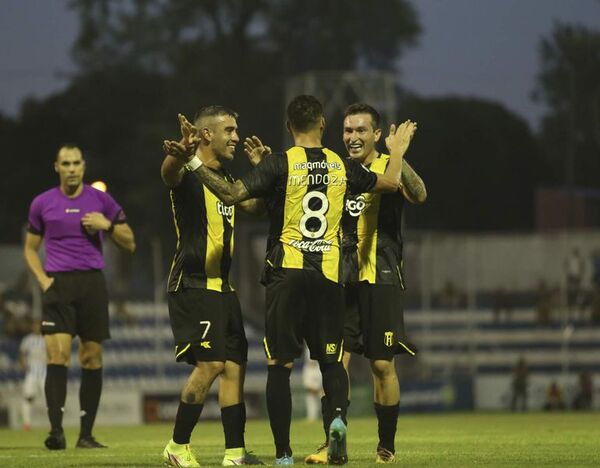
(569, 84)
(480, 163)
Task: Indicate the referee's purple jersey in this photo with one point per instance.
(57, 218)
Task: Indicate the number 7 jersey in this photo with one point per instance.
(304, 191)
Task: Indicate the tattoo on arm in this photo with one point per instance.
(254, 206)
(228, 193)
(414, 187)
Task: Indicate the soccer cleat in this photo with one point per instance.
(337, 453)
(56, 441)
(179, 455)
(384, 455)
(89, 442)
(285, 460)
(235, 457)
(319, 457)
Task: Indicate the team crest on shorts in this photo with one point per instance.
(330, 348)
(388, 339)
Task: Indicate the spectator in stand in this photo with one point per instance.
(554, 398)
(545, 302)
(574, 269)
(519, 385)
(501, 303)
(596, 268)
(32, 359)
(451, 297)
(583, 399)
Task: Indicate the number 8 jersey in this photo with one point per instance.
(304, 191)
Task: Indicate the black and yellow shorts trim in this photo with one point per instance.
(374, 323)
(76, 303)
(207, 326)
(303, 306)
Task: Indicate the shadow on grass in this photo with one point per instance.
(24, 448)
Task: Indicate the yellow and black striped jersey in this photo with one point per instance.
(204, 227)
(304, 191)
(371, 234)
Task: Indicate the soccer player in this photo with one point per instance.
(372, 250)
(73, 219)
(304, 190)
(204, 309)
(32, 358)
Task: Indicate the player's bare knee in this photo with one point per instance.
(90, 359)
(382, 369)
(58, 356)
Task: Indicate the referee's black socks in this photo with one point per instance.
(185, 421)
(55, 389)
(335, 385)
(279, 406)
(387, 420)
(89, 399)
(234, 423)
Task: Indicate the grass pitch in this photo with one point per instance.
(446, 440)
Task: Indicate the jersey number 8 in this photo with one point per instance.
(319, 215)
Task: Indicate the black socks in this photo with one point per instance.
(279, 406)
(55, 389)
(89, 399)
(234, 423)
(185, 421)
(387, 418)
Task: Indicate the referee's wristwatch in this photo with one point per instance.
(193, 164)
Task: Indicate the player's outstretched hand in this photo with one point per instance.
(400, 136)
(178, 150)
(255, 149)
(189, 133)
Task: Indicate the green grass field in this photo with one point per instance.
(448, 440)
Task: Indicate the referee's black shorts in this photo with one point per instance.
(374, 322)
(303, 306)
(76, 303)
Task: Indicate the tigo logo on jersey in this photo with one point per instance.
(388, 339)
(205, 344)
(330, 348)
(226, 211)
(356, 206)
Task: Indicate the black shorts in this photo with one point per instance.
(207, 326)
(374, 324)
(303, 306)
(76, 303)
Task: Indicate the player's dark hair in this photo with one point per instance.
(362, 108)
(304, 112)
(214, 111)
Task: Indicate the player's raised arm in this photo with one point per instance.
(172, 168)
(413, 187)
(229, 193)
(397, 142)
(255, 149)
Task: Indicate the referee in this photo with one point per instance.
(73, 219)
